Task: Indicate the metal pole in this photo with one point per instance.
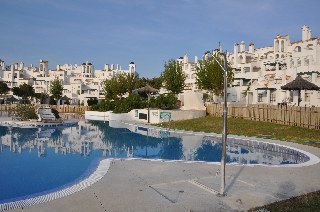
(148, 108)
(225, 126)
(225, 129)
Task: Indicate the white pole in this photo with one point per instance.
(225, 127)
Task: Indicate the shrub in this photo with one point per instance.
(25, 112)
(55, 112)
(52, 101)
(134, 101)
(169, 101)
(92, 101)
(105, 105)
(121, 106)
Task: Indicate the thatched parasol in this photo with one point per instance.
(299, 84)
(148, 90)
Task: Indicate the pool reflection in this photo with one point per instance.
(118, 140)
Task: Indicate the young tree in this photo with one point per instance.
(155, 82)
(173, 77)
(129, 81)
(56, 89)
(4, 88)
(141, 82)
(210, 76)
(114, 88)
(25, 91)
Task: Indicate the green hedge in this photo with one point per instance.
(135, 101)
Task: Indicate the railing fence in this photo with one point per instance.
(308, 117)
(59, 108)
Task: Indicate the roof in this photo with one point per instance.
(266, 88)
(146, 89)
(300, 84)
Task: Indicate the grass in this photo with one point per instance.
(250, 128)
(306, 202)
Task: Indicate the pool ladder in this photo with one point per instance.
(170, 123)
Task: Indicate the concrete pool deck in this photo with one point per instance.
(139, 185)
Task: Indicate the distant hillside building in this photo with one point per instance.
(80, 82)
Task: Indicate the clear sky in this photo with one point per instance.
(148, 32)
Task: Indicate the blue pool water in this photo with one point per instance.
(38, 160)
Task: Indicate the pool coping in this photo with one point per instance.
(94, 177)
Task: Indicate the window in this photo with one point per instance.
(298, 49)
(306, 61)
(273, 97)
(276, 46)
(291, 63)
(260, 97)
(307, 97)
(309, 47)
(241, 59)
(278, 81)
(282, 46)
(299, 62)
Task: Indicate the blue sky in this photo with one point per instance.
(148, 32)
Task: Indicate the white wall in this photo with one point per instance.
(156, 116)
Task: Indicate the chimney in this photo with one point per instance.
(251, 47)
(306, 33)
(235, 48)
(235, 53)
(242, 46)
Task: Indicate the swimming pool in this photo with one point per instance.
(36, 161)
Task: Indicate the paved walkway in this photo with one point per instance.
(137, 185)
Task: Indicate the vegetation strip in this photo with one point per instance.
(251, 128)
(305, 202)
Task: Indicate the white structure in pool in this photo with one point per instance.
(80, 82)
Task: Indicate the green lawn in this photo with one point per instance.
(250, 128)
(307, 202)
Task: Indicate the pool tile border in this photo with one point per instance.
(313, 158)
(101, 170)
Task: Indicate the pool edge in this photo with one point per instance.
(94, 177)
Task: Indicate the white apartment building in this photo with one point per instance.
(80, 82)
(189, 68)
(259, 73)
